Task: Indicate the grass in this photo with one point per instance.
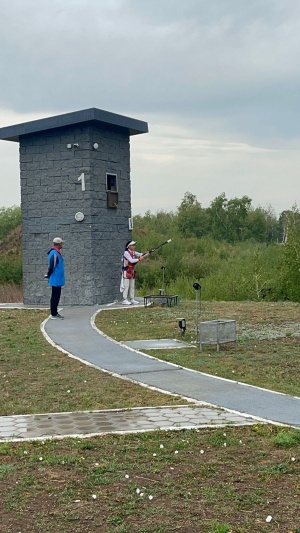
(227, 480)
(185, 481)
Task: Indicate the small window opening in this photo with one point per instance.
(111, 182)
(112, 191)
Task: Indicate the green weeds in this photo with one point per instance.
(115, 484)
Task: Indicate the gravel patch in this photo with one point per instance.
(268, 331)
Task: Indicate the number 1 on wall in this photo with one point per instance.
(81, 178)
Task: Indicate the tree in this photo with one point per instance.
(262, 225)
(291, 265)
(286, 219)
(192, 218)
(228, 217)
(256, 225)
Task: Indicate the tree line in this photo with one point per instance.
(233, 250)
(231, 220)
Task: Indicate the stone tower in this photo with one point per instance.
(75, 184)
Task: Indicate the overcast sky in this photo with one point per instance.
(218, 82)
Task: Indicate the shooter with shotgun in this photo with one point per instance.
(129, 260)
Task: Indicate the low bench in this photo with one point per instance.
(163, 299)
(216, 332)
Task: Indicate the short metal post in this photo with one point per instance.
(197, 288)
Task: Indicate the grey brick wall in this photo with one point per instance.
(51, 195)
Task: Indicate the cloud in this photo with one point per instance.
(174, 161)
(217, 81)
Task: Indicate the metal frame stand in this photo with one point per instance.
(162, 297)
(162, 290)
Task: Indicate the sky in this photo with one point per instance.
(217, 81)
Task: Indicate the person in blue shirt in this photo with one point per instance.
(56, 275)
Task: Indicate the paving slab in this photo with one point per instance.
(92, 423)
(155, 344)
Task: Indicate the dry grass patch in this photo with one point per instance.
(11, 293)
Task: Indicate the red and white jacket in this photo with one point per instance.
(130, 259)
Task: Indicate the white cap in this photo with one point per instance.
(57, 240)
(132, 243)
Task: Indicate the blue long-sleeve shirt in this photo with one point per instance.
(56, 269)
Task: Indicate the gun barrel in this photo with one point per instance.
(158, 246)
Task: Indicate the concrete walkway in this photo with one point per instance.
(78, 335)
(219, 402)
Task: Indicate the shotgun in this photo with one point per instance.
(156, 247)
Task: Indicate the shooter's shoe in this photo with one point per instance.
(134, 302)
(126, 302)
(53, 317)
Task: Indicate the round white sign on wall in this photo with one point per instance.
(79, 216)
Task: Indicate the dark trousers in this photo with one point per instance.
(54, 301)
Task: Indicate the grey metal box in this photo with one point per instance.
(216, 332)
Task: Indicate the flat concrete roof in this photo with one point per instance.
(93, 115)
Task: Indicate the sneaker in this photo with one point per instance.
(134, 302)
(126, 302)
(53, 317)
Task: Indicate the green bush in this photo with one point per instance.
(10, 262)
(11, 269)
(10, 218)
(287, 439)
(244, 271)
